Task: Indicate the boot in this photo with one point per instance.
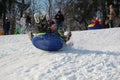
(30, 34)
(68, 36)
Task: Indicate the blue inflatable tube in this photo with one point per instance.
(48, 42)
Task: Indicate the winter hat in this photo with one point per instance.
(23, 15)
(18, 21)
(43, 15)
(48, 20)
(36, 17)
(59, 11)
(96, 21)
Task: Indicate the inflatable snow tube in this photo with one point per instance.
(48, 42)
(92, 26)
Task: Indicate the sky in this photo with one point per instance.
(88, 55)
(39, 5)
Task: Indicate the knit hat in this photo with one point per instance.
(43, 15)
(36, 17)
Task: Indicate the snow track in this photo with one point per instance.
(89, 55)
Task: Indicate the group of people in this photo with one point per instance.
(42, 24)
(23, 24)
(47, 25)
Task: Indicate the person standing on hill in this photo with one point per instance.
(28, 21)
(6, 27)
(17, 26)
(59, 20)
(112, 15)
(23, 25)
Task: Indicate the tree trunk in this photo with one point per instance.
(22, 8)
(103, 11)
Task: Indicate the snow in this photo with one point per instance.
(89, 55)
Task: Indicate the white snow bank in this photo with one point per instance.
(89, 55)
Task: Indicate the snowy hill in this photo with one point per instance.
(89, 55)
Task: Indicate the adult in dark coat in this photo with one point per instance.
(6, 27)
(59, 20)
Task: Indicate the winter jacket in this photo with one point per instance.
(59, 17)
(6, 25)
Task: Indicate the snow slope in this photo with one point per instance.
(89, 55)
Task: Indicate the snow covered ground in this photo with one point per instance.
(89, 55)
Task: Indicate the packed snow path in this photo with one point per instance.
(89, 55)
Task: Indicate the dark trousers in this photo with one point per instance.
(6, 31)
(59, 25)
(111, 24)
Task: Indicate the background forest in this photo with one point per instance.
(78, 13)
